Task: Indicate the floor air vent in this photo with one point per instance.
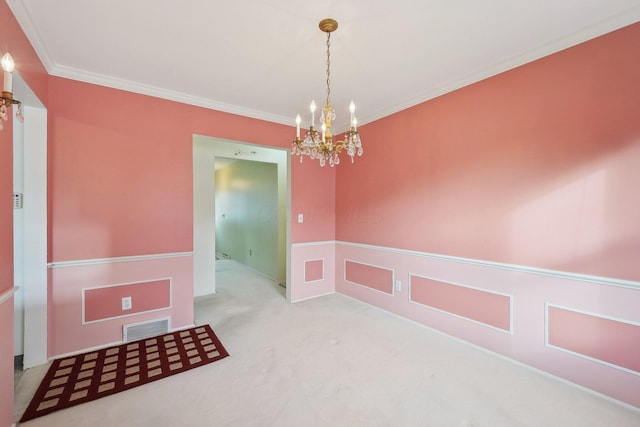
(142, 330)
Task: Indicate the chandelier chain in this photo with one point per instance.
(328, 67)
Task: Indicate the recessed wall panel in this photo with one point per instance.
(106, 302)
(481, 306)
(611, 341)
(313, 270)
(378, 278)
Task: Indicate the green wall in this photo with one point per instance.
(247, 226)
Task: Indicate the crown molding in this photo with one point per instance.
(31, 32)
(616, 22)
(157, 92)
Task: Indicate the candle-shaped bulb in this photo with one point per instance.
(298, 126)
(8, 66)
(354, 123)
(7, 63)
(324, 132)
(312, 108)
(352, 109)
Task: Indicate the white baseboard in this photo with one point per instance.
(314, 297)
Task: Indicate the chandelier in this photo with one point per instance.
(6, 100)
(321, 144)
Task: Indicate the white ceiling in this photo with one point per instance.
(267, 58)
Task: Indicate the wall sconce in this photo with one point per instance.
(7, 95)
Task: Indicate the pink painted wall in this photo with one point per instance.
(12, 40)
(120, 170)
(6, 362)
(317, 207)
(537, 166)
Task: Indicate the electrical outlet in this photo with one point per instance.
(126, 303)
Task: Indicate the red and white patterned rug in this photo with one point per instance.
(89, 376)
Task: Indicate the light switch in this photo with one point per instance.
(300, 218)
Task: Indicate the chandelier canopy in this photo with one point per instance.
(321, 144)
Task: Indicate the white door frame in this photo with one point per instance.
(32, 263)
(205, 149)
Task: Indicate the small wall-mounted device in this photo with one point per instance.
(17, 200)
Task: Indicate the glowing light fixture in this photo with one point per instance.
(321, 145)
(7, 100)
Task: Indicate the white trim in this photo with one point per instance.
(393, 277)
(311, 244)
(163, 93)
(8, 293)
(313, 297)
(35, 293)
(205, 151)
(170, 306)
(584, 356)
(82, 262)
(305, 271)
(510, 331)
(512, 267)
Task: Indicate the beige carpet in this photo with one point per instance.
(333, 361)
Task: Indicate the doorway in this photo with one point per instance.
(205, 152)
(30, 228)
